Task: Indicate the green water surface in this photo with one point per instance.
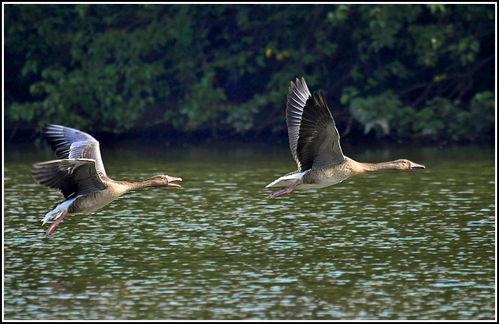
(380, 246)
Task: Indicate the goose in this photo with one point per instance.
(80, 175)
(315, 145)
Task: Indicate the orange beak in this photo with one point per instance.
(171, 181)
(416, 166)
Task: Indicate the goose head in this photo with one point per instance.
(404, 164)
(164, 181)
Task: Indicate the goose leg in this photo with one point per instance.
(284, 191)
(56, 223)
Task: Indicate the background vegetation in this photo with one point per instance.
(421, 71)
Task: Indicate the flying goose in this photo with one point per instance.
(80, 175)
(315, 145)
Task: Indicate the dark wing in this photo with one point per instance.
(298, 94)
(70, 176)
(70, 143)
(318, 138)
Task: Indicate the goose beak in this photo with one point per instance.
(171, 181)
(416, 166)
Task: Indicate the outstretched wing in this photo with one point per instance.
(318, 142)
(70, 176)
(298, 94)
(70, 143)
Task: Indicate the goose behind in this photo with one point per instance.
(80, 175)
(314, 142)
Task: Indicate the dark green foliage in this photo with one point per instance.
(420, 70)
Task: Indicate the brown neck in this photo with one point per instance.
(380, 166)
(129, 185)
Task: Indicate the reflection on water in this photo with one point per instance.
(392, 245)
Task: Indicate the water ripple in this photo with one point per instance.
(375, 247)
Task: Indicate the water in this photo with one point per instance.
(380, 246)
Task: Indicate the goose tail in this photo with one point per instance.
(287, 180)
(55, 213)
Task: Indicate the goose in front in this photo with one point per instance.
(80, 175)
(315, 145)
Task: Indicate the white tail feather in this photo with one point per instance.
(58, 210)
(286, 180)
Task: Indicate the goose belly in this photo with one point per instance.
(313, 180)
(93, 201)
(324, 183)
(321, 179)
